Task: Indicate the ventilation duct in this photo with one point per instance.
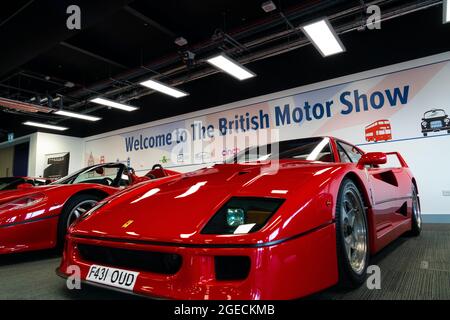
(23, 106)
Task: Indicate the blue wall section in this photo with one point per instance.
(21, 152)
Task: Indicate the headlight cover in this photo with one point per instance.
(242, 215)
(23, 202)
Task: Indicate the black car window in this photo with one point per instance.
(310, 149)
(106, 174)
(343, 155)
(351, 152)
(438, 113)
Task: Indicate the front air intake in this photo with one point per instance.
(231, 267)
(139, 260)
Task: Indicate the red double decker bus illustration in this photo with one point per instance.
(380, 130)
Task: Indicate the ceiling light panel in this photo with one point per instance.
(114, 104)
(44, 125)
(324, 38)
(446, 11)
(163, 88)
(76, 115)
(231, 67)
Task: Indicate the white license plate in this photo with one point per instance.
(118, 278)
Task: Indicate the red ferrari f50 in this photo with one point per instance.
(33, 218)
(275, 222)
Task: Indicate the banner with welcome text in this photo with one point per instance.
(368, 111)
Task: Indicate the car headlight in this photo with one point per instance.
(447, 121)
(23, 202)
(424, 124)
(242, 215)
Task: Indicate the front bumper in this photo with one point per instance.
(286, 270)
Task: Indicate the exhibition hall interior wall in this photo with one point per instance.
(378, 110)
(6, 161)
(43, 146)
(50, 145)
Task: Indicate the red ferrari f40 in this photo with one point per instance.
(279, 221)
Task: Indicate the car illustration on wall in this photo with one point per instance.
(379, 130)
(37, 217)
(279, 221)
(435, 120)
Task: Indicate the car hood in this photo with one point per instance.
(177, 211)
(6, 196)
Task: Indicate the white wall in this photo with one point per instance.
(32, 155)
(46, 143)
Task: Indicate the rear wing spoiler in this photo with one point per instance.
(400, 158)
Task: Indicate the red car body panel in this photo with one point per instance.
(293, 255)
(35, 227)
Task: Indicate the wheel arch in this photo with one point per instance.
(414, 182)
(361, 186)
(356, 179)
(96, 192)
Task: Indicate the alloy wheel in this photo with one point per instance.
(354, 230)
(416, 208)
(79, 210)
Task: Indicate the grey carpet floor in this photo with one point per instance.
(411, 269)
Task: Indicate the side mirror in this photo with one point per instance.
(25, 185)
(372, 158)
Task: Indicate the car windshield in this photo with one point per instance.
(108, 174)
(9, 183)
(435, 114)
(311, 149)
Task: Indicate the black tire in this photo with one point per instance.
(348, 277)
(70, 205)
(425, 134)
(416, 217)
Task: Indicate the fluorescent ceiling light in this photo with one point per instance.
(231, 67)
(446, 11)
(43, 125)
(158, 86)
(76, 115)
(324, 38)
(113, 104)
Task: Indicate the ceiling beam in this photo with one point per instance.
(150, 22)
(93, 55)
(16, 13)
(48, 32)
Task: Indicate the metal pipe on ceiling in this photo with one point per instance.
(279, 49)
(258, 27)
(178, 73)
